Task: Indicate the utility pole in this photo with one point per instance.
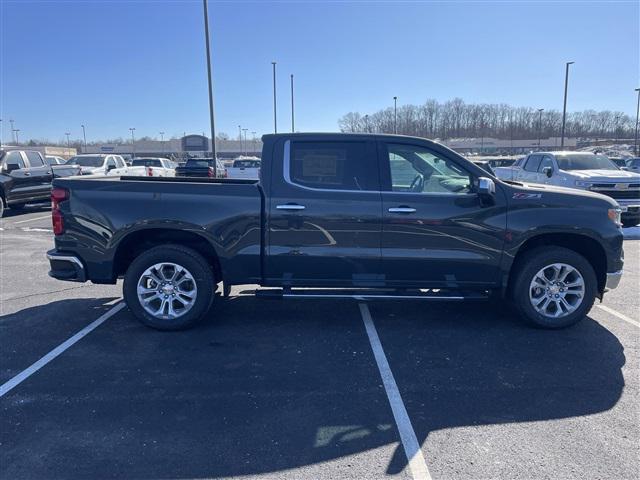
(615, 129)
(540, 110)
(253, 141)
(240, 138)
(133, 143)
(275, 116)
(162, 140)
(16, 130)
(635, 145)
(68, 144)
(211, 115)
(293, 129)
(395, 115)
(84, 135)
(12, 130)
(564, 109)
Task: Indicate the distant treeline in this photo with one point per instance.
(455, 119)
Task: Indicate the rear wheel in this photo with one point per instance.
(554, 287)
(1, 207)
(169, 287)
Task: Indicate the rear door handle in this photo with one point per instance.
(290, 206)
(402, 210)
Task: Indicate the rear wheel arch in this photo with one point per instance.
(584, 245)
(136, 243)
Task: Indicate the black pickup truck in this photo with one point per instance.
(340, 215)
(24, 178)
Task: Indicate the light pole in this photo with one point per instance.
(133, 143)
(635, 144)
(564, 109)
(253, 141)
(0, 134)
(395, 115)
(275, 116)
(84, 135)
(246, 149)
(292, 117)
(211, 115)
(615, 129)
(16, 130)
(540, 110)
(12, 130)
(240, 138)
(162, 140)
(366, 123)
(68, 144)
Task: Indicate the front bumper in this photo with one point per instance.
(613, 280)
(66, 266)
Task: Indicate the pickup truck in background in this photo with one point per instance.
(24, 178)
(59, 167)
(202, 167)
(245, 167)
(99, 164)
(151, 167)
(581, 170)
(361, 216)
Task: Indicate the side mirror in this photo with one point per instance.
(486, 186)
(110, 167)
(548, 171)
(11, 167)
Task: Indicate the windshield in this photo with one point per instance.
(585, 162)
(146, 162)
(86, 161)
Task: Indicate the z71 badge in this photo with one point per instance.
(526, 196)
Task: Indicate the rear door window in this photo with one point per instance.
(34, 158)
(333, 165)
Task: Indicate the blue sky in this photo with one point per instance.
(118, 64)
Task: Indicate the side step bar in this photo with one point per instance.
(372, 294)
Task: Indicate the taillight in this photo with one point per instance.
(58, 195)
(211, 172)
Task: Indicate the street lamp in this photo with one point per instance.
(240, 138)
(635, 144)
(275, 117)
(133, 143)
(540, 110)
(162, 140)
(395, 115)
(211, 115)
(84, 135)
(292, 117)
(564, 109)
(12, 130)
(246, 149)
(15, 131)
(253, 141)
(615, 129)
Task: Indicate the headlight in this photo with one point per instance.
(615, 216)
(581, 184)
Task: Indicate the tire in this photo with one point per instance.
(194, 279)
(555, 293)
(2, 207)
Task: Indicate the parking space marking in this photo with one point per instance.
(417, 464)
(32, 219)
(619, 315)
(22, 376)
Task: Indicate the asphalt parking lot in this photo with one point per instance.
(299, 389)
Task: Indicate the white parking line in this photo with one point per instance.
(32, 219)
(417, 464)
(22, 376)
(619, 315)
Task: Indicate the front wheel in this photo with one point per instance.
(169, 287)
(554, 287)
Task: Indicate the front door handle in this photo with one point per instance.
(290, 206)
(27, 174)
(402, 210)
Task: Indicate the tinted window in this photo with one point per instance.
(198, 163)
(546, 162)
(533, 163)
(333, 165)
(35, 160)
(86, 161)
(146, 162)
(416, 169)
(14, 158)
